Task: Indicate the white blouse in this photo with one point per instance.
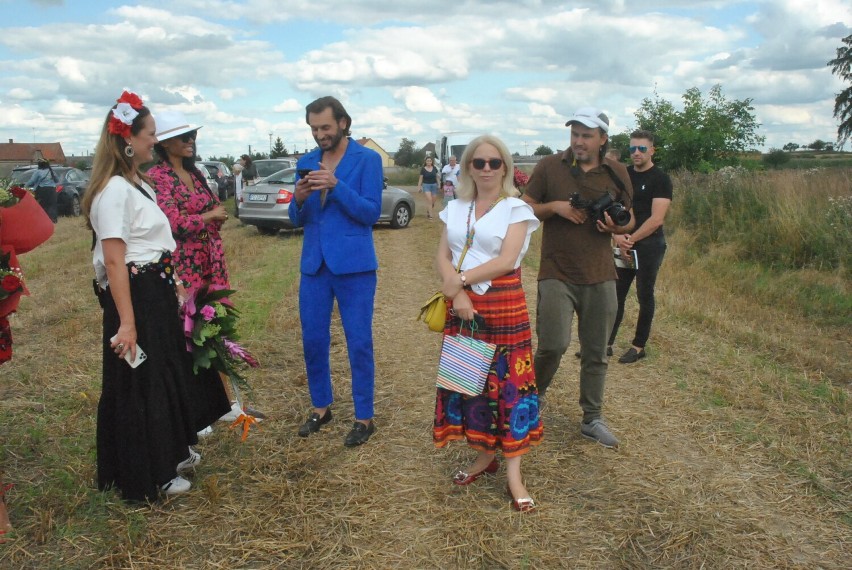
(490, 231)
(121, 211)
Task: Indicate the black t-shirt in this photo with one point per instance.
(647, 185)
(429, 177)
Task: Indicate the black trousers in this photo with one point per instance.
(47, 198)
(650, 252)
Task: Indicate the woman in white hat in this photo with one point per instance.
(196, 216)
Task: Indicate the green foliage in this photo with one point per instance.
(620, 141)
(785, 221)
(403, 176)
(278, 149)
(227, 159)
(706, 135)
(776, 158)
(407, 154)
(543, 150)
(817, 145)
(790, 147)
(841, 66)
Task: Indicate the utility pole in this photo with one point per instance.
(270, 144)
(525, 149)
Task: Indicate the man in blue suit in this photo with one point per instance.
(338, 198)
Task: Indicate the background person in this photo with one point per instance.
(238, 187)
(195, 216)
(249, 170)
(652, 196)
(337, 204)
(577, 273)
(497, 226)
(450, 172)
(428, 183)
(43, 181)
(145, 420)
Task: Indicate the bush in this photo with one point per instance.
(776, 158)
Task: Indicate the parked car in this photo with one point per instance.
(223, 176)
(71, 184)
(211, 180)
(266, 204)
(267, 166)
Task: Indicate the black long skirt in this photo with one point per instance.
(149, 415)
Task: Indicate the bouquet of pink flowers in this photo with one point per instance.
(520, 178)
(210, 327)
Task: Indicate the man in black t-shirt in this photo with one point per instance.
(652, 195)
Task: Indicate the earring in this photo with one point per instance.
(128, 151)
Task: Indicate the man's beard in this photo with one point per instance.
(334, 142)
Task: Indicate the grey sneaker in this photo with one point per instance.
(598, 431)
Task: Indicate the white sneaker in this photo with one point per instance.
(189, 463)
(206, 431)
(176, 486)
(232, 416)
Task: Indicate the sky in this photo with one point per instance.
(404, 69)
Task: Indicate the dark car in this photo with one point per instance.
(266, 204)
(71, 184)
(223, 175)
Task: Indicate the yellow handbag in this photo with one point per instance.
(434, 312)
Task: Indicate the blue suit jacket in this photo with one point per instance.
(341, 232)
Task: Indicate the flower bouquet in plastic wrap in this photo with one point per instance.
(210, 327)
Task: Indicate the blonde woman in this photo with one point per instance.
(496, 226)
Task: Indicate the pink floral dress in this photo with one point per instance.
(200, 257)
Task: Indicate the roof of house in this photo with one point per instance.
(364, 140)
(29, 152)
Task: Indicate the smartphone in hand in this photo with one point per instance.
(303, 172)
(140, 356)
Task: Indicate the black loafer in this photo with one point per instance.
(313, 424)
(632, 356)
(360, 434)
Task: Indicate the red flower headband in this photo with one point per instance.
(121, 118)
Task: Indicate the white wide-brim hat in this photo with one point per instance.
(171, 124)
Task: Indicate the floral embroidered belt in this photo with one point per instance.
(163, 266)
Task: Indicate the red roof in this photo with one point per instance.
(28, 152)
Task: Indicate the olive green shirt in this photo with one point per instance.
(576, 253)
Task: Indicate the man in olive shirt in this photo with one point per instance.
(577, 272)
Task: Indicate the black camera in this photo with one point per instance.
(617, 212)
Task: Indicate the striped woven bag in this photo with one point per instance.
(464, 364)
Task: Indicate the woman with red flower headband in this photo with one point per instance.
(146, 418)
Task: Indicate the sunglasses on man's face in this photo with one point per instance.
(641, 148)
(479, 163)
(190, 136)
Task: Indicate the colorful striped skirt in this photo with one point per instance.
(506, 415)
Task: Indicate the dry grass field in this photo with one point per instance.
(735, 437)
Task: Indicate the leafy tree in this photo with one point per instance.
(817, 145)
(278, 149)
(706, 135)
(790, 147)
(407, 153)
(620, 141)
(543, 150)
(841, 66)
(776, 158)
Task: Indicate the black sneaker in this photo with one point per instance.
(313, 424)
(632, 356)
(360, 434)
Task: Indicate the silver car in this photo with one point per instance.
(266, 204)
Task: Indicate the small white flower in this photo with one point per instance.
(125, 113)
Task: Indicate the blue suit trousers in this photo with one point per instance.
(355, 294)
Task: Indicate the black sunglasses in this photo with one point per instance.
(494, 163)
(641, 148)
(190, 136)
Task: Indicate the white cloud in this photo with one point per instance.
(418, 100)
